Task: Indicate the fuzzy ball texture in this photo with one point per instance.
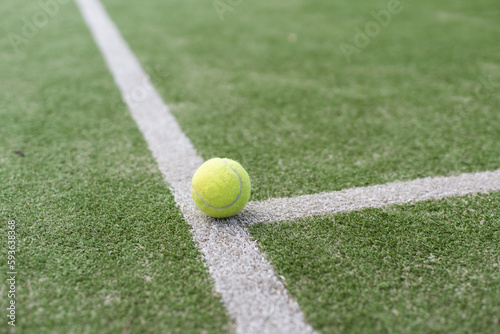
(221, 188)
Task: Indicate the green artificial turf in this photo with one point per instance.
(430, 267)
(304, 120)
(102, 247)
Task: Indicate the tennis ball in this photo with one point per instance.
(220, 188)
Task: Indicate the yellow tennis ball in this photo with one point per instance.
(221, 188)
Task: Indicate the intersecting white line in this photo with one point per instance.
(280, 209)
(252, 293)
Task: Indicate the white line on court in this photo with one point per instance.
(255, 298)
(279, 209)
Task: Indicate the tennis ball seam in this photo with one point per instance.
(237, 197)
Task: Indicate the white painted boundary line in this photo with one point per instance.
(255, 298)
(279, 209)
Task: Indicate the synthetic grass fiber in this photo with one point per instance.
(102, 245)
(430, 267)
(420, 100)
